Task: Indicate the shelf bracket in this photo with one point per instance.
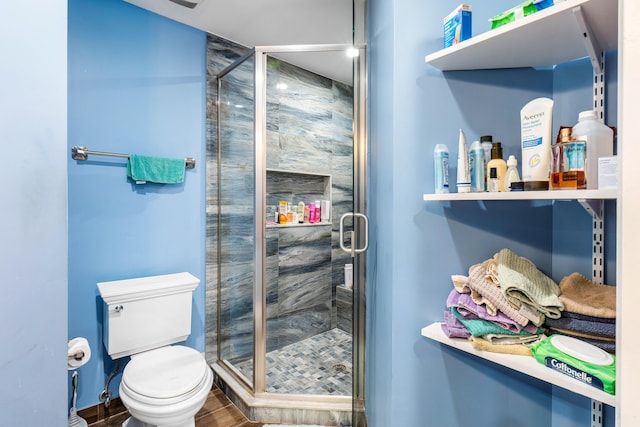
(596, 413)
(590, 42)
(597, 57)
(596, 209)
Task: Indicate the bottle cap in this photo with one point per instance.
(564, 134)
(589, 114)
(441, 148)
(496, 150)
(486, 138)
(512, 161)
(493, 173)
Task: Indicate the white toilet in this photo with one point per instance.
(163, 385)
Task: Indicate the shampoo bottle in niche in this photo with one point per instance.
(441, 166)
(535, 121)
(476, 167)
(499, 164)
(318, 217)
(325, 210)
(300, 212)
(312, 212)
(599, 143)
(464, 180)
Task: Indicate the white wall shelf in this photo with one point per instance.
(525, 364)
(527, 195)
(549, 37)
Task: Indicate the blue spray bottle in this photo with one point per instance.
(441, 166)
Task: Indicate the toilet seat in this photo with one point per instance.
(165, 376)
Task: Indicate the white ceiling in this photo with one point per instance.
(254, 23)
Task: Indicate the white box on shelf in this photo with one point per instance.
(608, 172)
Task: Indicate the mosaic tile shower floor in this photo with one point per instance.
(320, 364)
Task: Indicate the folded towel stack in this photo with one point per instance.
(590, 312)
(501, 304)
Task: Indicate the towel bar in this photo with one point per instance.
(81, 153)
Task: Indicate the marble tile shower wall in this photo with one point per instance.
(309, 130)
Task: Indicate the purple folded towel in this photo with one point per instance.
(468, 309)
(453, 328)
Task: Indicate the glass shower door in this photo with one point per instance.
(309, 166)
(236, 218)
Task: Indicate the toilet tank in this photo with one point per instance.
(147, 312)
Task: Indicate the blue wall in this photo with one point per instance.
(136, 85)
(417, 246)
(33, 218)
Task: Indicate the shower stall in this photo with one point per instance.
(285, 332)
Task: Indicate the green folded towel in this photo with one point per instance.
(480, 327)
(155, 169)
(522, 282)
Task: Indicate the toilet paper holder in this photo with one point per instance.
(77, 355)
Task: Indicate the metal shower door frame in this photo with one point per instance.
(260, 55)
(359, 205)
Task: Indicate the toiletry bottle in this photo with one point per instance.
(494, 184)
(463, 183)
(318, 216)
(325, 210)
(499, 164)
(441, 166)
(535, 139)
(300, 212)
(512, 172)
(476, 167)
(282, 212)
(291, 213)
(312, 213)
(485, 142)
(306, 214)
(599, 143)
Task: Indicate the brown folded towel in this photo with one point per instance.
(583, 296)
(584, 335)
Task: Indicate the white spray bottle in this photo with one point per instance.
(464, 179)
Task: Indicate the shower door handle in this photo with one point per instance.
(352, 250)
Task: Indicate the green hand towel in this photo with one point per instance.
(155, 169)
(522, 282)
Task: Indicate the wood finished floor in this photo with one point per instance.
(218, 411)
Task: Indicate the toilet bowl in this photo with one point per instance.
(165, 387)
(164, 384)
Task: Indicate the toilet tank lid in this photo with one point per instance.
(119, 291)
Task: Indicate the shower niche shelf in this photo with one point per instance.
(293, 187)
